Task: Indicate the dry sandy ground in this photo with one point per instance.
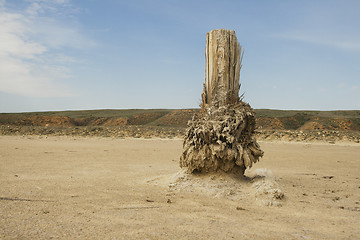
(103, 188)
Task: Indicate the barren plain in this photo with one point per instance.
(73, 187)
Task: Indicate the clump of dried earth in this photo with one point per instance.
(221, 138)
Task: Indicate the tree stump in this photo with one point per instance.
(221, 136)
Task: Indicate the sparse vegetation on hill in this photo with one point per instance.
(266, 118)
(330, 126)
(308, 120)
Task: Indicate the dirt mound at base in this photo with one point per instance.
(259, 186)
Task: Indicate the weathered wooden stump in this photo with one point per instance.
(221, 137)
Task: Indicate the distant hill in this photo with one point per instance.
(266, 118)
(308, 120)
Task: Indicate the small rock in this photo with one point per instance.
(240, 208)
(328, 177)
(336, 199)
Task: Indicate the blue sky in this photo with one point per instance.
(115, 54)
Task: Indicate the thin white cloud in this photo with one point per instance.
(345, 43)
(41, 6)
(14, 40)
(28, 64)
(24, 78)
(56, 36)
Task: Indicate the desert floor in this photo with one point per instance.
(104, 188)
